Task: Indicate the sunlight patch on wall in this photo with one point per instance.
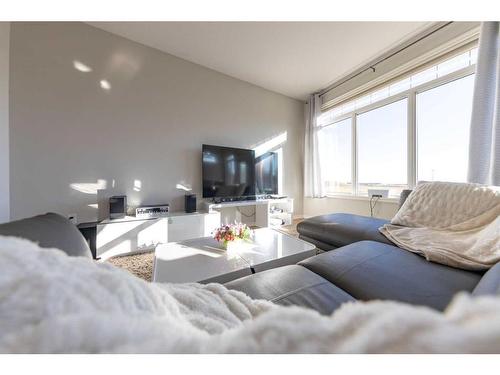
(137, 185)
(281, 168)
(270, 144)
(124, 64)
(105, 85)
(81, 67)
(89, 187)
(274, 144)
(183, 186)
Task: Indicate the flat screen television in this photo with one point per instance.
(228, 172)
(266, 174)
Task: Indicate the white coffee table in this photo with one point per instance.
(204, 259)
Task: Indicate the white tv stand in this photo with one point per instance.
(130, 234)
(268, 212)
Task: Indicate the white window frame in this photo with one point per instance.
(411, 96)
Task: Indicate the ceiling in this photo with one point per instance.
(291, 58)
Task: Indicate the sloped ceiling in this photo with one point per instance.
(291, 58)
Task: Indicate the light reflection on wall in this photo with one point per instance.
(275, 144)
(270, 144)
(89, 187)
(137, 185)
(105, 85)
(81, 67)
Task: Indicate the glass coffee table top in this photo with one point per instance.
(205, 260)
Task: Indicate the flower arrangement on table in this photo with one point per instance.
(231, 233)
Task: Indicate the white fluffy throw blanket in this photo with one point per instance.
(52, 303)
(456, 224)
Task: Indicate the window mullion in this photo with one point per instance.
(354, 155)
(412, 141)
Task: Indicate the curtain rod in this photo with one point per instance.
(374, 64)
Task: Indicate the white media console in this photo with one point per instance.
(130, 234)
(261, 213)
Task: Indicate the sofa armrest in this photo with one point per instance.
(489, 283)
(49, 230)
(404, 195)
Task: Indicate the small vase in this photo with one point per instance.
(228, 245)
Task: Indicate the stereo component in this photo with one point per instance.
(117, 206)
(190, 203)
(152, 212)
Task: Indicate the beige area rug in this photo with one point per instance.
(141, 264)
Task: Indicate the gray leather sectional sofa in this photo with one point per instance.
(363, 266)
(364, 270)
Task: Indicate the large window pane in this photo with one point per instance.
(335, 155)
(382, 145)
(443, 120)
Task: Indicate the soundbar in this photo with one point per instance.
(235, 199)
(249, 198)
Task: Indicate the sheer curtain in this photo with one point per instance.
(313, 183)
(484, 148)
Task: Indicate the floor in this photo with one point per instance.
(141, 264)
(290, 229)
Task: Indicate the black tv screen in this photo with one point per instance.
(266, 174)
(228, 172)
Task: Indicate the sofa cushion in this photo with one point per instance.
(370, 270)
(292, 285)
(490, 282)
(49, 230)
(342, 229)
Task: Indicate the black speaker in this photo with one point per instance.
(117, 206)
(190, 203)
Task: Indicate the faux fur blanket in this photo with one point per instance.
(52, 303)
(456, 224)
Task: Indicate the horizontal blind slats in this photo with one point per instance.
(450, 49)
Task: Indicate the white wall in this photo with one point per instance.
(385, 209)
(4, 121)
(69, 136)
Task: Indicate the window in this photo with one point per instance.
(442, 69)
(334, 143)
(443, 116)
(382, 148)
(415, 128)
